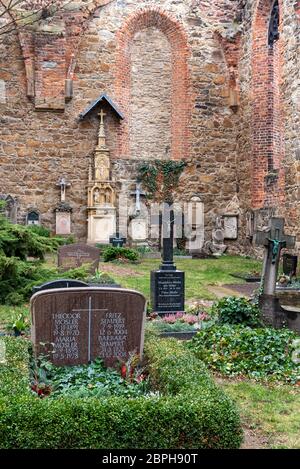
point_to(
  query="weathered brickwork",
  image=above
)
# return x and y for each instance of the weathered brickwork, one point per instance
(269, 110)
(195, 80)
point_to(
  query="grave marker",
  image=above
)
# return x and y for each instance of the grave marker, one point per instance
(75, 255)
(167, 283)
(79, 325)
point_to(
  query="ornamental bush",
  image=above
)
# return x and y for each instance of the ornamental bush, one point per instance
(256, 353)
(233, 310)
(112, 254)
(17, 276)
(187, 410)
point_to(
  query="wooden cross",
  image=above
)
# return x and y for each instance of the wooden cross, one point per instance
(273, 240)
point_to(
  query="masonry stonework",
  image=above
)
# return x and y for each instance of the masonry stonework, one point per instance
(195, 80)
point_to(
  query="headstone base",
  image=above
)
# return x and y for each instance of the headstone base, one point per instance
(167, 291)
(274, 315)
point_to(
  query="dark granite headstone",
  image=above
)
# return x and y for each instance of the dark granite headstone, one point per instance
(60, 283)
(75, 255)
(290, 264)
(81, 324)
(167, 283)
(167, 291)
(117, 241)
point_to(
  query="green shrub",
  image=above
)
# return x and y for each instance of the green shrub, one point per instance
(17, 278)
(112, 253)
(256, 353)
(232, 310)
(187, 411)
(18, 241)
(40, 230)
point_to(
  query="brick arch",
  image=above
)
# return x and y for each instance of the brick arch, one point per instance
(267, 112)
(181, 99)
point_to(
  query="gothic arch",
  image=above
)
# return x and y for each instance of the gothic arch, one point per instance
(267, 112)
(181, 99)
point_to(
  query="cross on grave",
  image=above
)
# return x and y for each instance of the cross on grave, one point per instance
(63, 185)
(117, 241)
(273, 240)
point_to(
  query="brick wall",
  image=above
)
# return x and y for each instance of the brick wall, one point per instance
(207, 108)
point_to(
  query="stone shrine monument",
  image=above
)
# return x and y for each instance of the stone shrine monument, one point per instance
(167, 283)
(101, 193)
(71, 256)
(78, 325)
(274, 240)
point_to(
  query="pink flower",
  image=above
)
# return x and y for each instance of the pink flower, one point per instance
(170, 318)
(190, 318)
(204, 317)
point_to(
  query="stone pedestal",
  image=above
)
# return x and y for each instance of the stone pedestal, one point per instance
(101, 225)
(275, 315)
(167, 291)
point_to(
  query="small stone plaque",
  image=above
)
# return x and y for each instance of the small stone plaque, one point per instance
(63, 223)
(230, 227)
(78, 325)
(75, 255)
(167, 291)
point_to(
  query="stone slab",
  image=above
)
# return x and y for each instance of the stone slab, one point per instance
(79, 325)
(167, 291)
(75, 255)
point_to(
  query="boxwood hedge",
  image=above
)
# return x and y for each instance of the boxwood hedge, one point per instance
(187, 410)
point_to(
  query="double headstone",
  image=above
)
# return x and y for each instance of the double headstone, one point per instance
(77, 325)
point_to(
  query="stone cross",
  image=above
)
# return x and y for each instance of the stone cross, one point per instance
(63, 185)
(273, 240)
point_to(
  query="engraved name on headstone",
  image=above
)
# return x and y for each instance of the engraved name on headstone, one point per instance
(76, 325)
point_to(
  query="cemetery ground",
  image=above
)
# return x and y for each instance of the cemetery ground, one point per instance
(269, 410)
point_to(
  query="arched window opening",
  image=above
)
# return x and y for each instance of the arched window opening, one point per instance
(274, 24)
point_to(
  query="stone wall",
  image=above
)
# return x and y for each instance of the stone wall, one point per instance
(151, 89)
(182, 75)
(269, 131)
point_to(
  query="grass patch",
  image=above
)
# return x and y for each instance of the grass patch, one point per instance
(200, 273)
(269, 410)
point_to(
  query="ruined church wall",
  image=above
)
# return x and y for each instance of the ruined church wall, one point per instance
(37, 148)
(288, 80)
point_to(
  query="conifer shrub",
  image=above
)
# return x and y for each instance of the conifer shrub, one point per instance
(17, 274)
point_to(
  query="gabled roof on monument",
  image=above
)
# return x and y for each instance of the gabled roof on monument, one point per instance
(102, 98)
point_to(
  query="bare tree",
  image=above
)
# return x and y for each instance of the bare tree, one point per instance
(15, 14)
